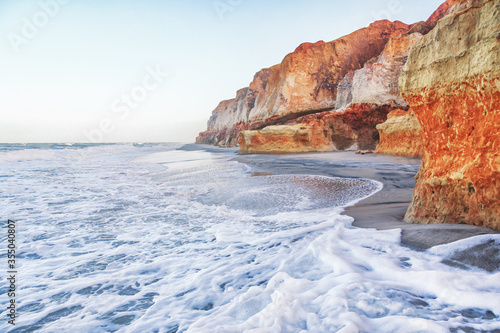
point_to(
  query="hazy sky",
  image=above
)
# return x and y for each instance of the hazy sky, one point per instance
(95, 70)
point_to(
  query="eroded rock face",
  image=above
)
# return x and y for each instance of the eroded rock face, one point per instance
(308, 78)
(281, 139)
(354, 128)
(377, 81)
(305, 82)
(452, 82)
(400, 135)
(373, 88)
(227, 120)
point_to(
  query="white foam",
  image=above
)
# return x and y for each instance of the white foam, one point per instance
(463, 244)
(111, 244)
(28, 154)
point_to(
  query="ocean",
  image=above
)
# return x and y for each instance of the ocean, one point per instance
(154, 238)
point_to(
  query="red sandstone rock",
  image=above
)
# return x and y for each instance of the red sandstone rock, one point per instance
(307, 79)
(452, 82)
(359, 93)
(449, 6)
(377, 81)
(306, 46)
(446, 8)
(282, 139)
(354, 128)
(224, 137)
(400, 135)
(305, 82)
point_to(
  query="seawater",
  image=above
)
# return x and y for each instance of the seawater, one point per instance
(150, 238)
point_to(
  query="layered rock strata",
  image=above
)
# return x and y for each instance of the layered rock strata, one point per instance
(321, 76)
(377, 81)
(452, 83)
(305, 82)
(353, 128)
(331, 96)
(400, 135)
(284, 139)
(364, 97)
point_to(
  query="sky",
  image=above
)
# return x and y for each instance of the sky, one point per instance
(153, 70)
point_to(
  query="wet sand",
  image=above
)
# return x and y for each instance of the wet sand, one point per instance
(385, 209)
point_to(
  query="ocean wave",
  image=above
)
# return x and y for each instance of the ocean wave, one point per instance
(139, 239)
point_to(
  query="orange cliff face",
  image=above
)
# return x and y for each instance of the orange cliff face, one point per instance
(444, 9)
(452, 83)
(364, 98)
(279, 139)
(351, 128)
(331, 96)
(377, 81)
(306, 46)
(305, 82)
(400, 135)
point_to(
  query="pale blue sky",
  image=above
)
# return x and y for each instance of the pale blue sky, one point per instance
(66, 64)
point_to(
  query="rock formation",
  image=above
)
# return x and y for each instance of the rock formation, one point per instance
(352, 128)
(321, 76)
(452, 82)
(377, 81)
(446, 106)
(305, 82)
(284, 139)
(308, 78)
(364, 98)
(401, 135)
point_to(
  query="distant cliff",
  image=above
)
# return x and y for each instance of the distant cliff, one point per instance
(305, 82)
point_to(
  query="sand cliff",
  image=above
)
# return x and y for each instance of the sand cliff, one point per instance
(430, 89)
(364, 97)
(401, 135)
(452, 81)
(305, 82)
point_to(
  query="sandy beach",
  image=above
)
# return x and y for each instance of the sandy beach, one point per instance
(386, 208)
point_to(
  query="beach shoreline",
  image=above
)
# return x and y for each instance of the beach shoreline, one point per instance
(382, 210)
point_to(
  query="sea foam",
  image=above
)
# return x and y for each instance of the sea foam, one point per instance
(153, 239)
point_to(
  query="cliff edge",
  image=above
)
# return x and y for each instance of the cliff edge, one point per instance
(451, 81)
(430, 90)
(305, 82)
